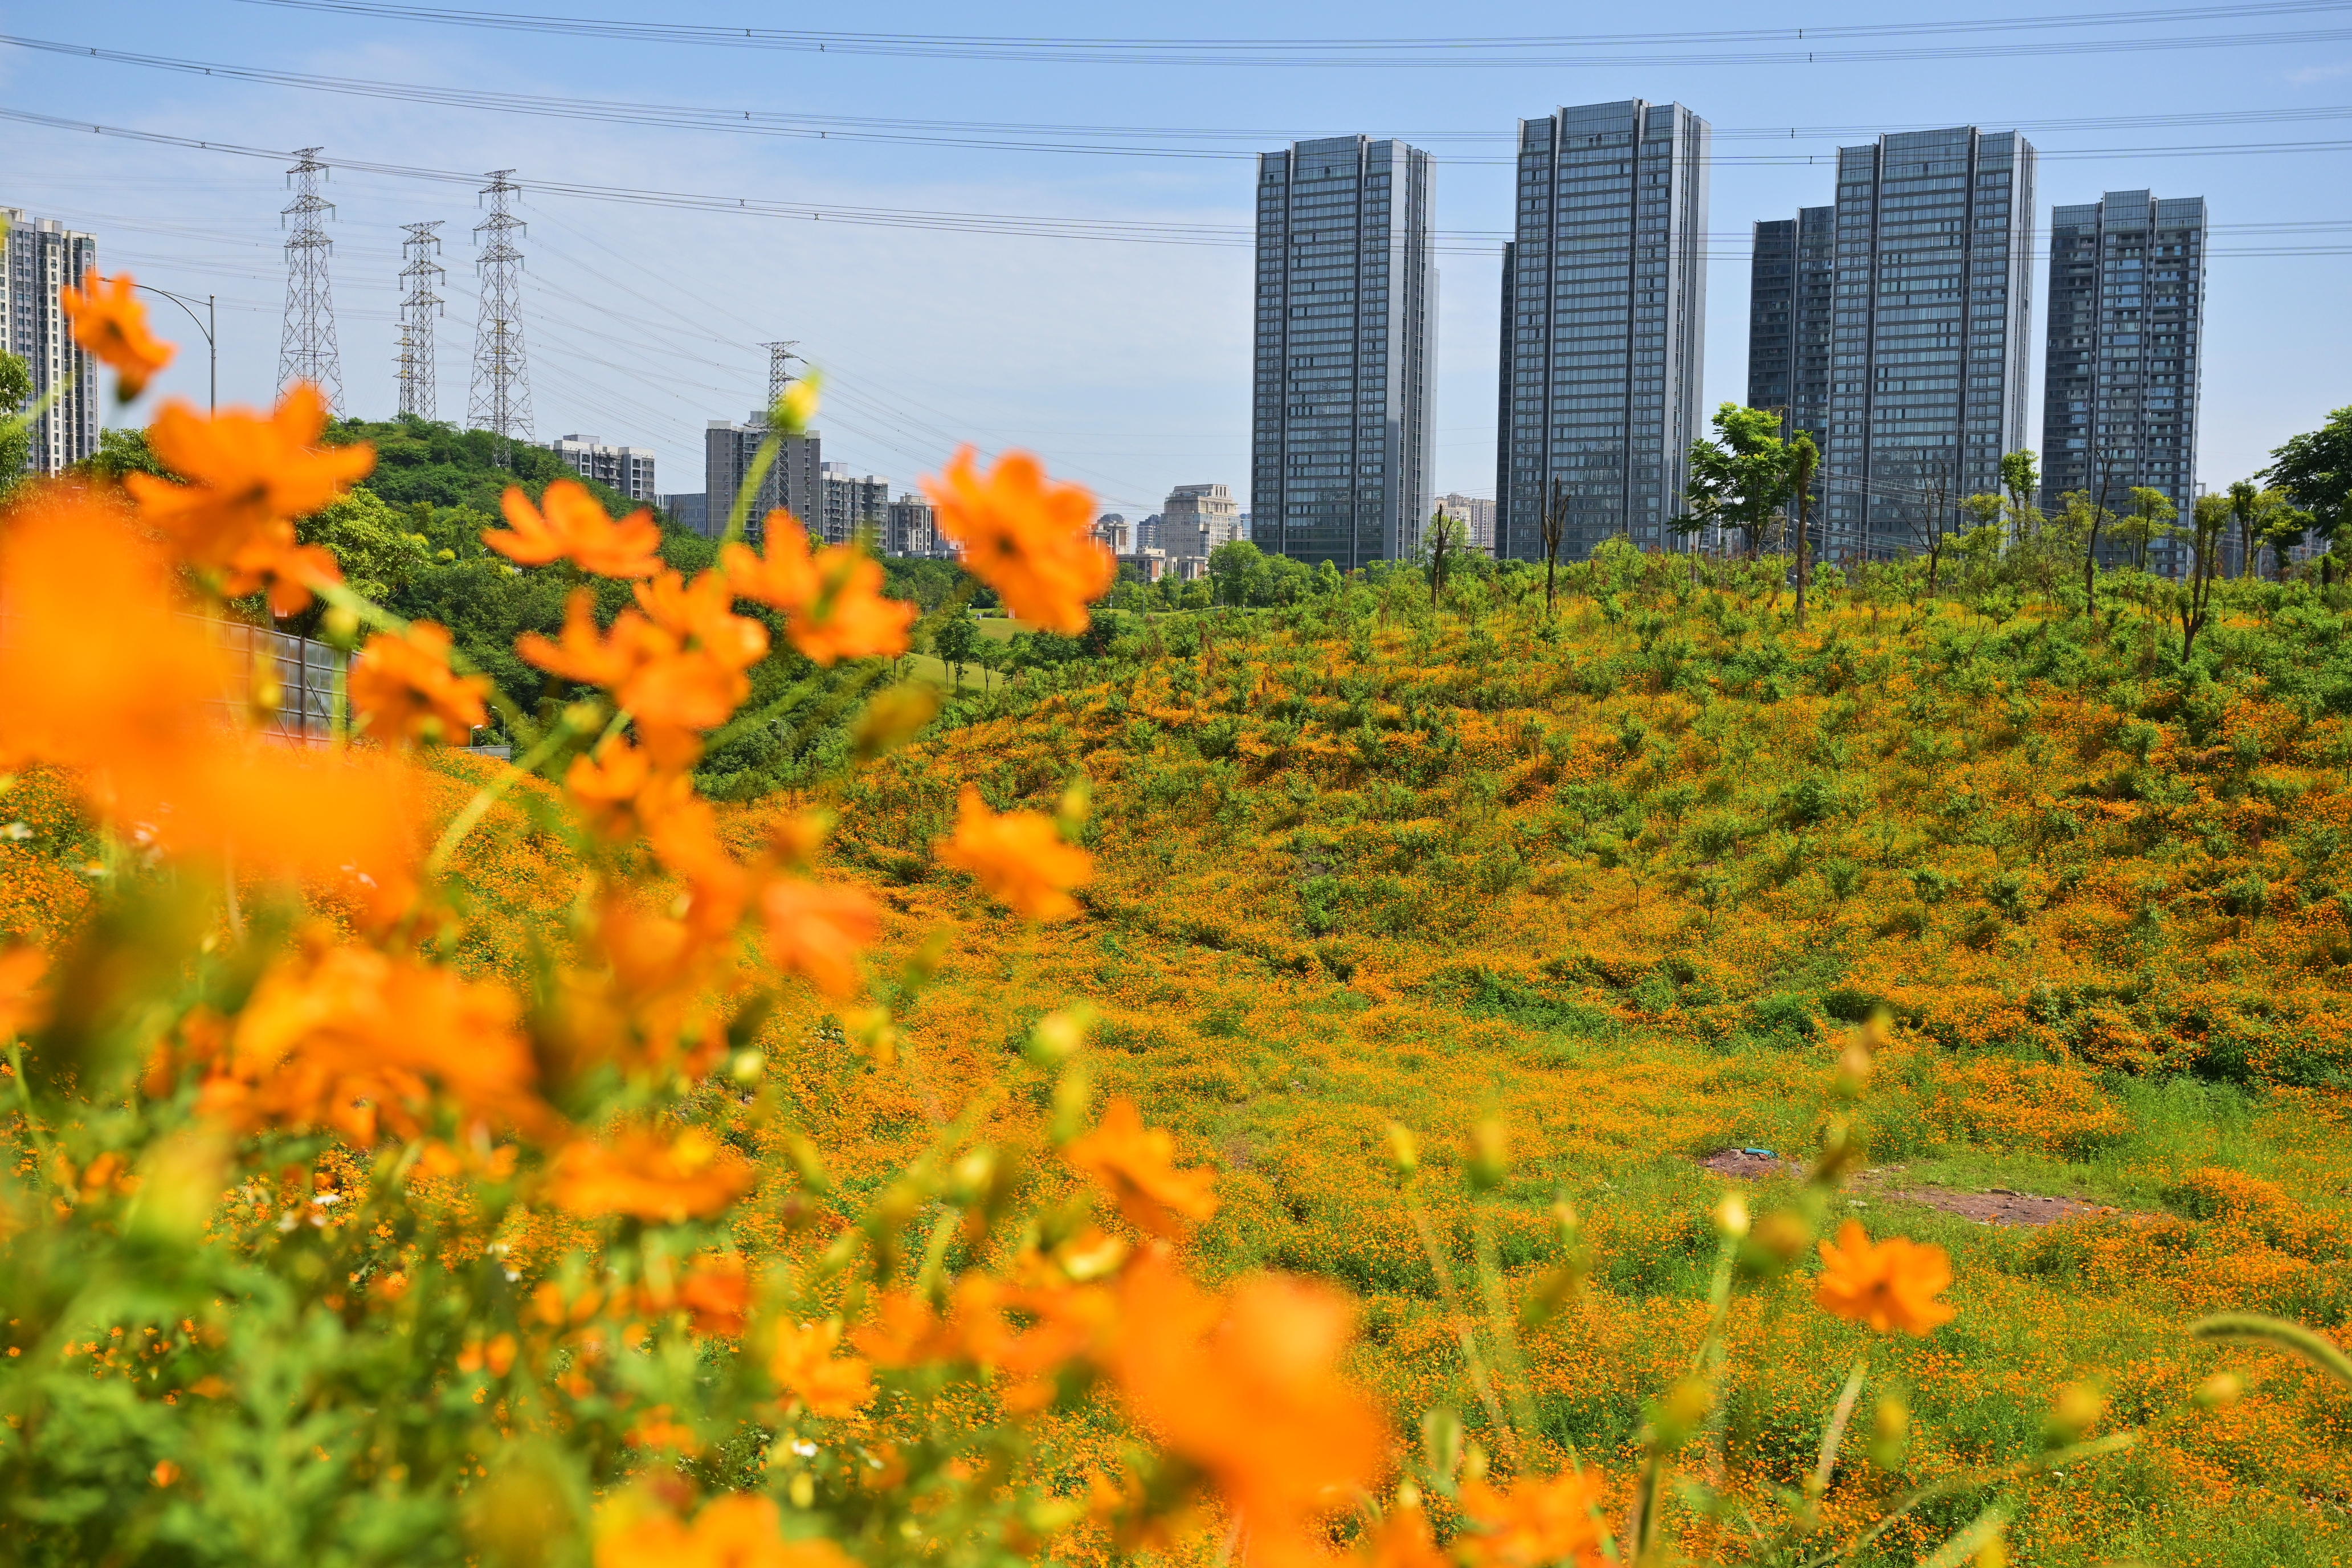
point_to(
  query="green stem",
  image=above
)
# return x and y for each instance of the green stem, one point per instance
(761, 461)
(1465, 1334)
(488, 795)
(32, 1118)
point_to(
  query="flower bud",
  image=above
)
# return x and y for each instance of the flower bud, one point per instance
(2221, 1388)
(1077, 799)
(747, 1067)
(1776, 1243)
(1490, 1155)
(1731, 1215)
(583, 718)
(2075, 1412)
(340, 627)
(1058, 1036)
(797, 407)
(1403, 1148)
(1890, 1427)
(1441, 1444)
(1674, 1419)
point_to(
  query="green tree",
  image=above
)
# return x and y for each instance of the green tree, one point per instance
(956, 643)
(1801, 457)
(371, 541)
(2315, 469)
(2151, 509)
(1240, 574)
(1555, 530)
(1740, 481)
(2208, 521)
(1441, 545)
(15, 439)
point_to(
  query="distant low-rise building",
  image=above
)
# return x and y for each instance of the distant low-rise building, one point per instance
(1114, 533)
(628, 469)
(38, 256)
(1476, 516)
(853, 502)
(1145, 562)
(691, 510)
(913, 528)
(795, 481)
(1198, 518)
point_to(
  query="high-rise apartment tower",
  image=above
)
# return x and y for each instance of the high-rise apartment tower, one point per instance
(1604, 324)
(1347, 348)
(2126, 325)
(38, 256)
(1791, 283)
(1927, 343)
(628, 469)
(795, 482)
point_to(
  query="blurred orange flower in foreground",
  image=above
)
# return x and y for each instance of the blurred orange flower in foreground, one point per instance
(1018, 857)
(350, 1038)
(569, 521)
(112, 325)
(105, 673)
(404, 688)
(831, 598)
(816, 930)
(1535, 1524)
(733, 1531)
(1891, 1284)
(1133, 1162)
(637, 1171)
(248, 478)
(1030, 540)
(1250, 1391)
(23, 1002)
(803, 1362)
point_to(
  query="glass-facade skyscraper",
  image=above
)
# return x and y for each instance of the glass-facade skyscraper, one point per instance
(2126, 325)
(1604, 325)
(1929, 337)
(1790, 289)
(1346, 350)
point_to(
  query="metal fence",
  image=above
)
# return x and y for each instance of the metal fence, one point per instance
(303, 672)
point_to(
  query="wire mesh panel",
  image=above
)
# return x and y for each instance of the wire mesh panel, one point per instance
(282, 684)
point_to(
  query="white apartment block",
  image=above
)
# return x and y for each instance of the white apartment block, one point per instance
(853, 502)
(628, 469)
(37, 257)
(913, 528)
(1196, 519)
(1476, 516)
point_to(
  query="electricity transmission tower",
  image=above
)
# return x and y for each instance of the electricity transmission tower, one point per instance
(500, 401)
(779, 368)
(419, 306)
(306, 350)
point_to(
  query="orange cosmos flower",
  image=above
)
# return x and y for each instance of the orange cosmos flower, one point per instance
(350, 1038)
(833, 599)
(1535, 1524)
(638, 1172)
(23, 1003)
(574, 523)
(1891, 1284)
(718, 1291)
(816, 930)
(1250, 1391)
(114, 327)
(1031, 541)
(1018, 857)
(581, 652)
(803, 1365)
(249, 477)
(1404, 1541)
(737, 1531)
(1133, 1162)
(402, 688)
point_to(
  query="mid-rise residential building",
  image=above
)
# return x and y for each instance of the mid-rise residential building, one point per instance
(689, 510)
(1146, 533)
(1476, 516)
(793, 483)
(1604, 325)
(853, 502)
(911, 527)
(1934, 297)
(628, 469)
(39, 256)
(2125, 340)
(1197, 519)
(1346, 350)
(1791, 282)
(1113, 533)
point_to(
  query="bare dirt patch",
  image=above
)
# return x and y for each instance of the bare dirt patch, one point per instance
(1993, 1205)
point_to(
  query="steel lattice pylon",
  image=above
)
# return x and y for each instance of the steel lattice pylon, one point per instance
(419, 307)
(779, 368)
(500, 402)
(306, 350)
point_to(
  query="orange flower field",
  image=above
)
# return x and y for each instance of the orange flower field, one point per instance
(1398, 1080)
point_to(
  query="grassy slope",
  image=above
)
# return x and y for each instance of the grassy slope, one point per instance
(1571, 882)
(1608, 887)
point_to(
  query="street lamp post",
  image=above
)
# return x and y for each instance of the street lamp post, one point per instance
(208, 327)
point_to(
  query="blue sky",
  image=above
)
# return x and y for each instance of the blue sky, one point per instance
(1125, 364)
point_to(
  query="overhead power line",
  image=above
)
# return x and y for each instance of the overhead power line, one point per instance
(1133, 141)
(1782, 46)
